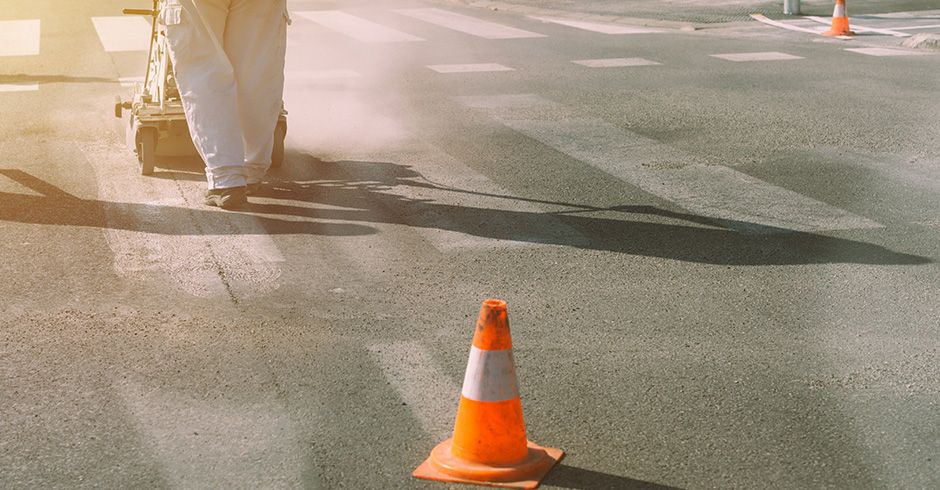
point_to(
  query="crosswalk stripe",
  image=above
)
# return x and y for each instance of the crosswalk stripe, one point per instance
(466, 24)
(599, 27)
(858, 28)
(19, 87)
(469, 68)
(615, 62)
(191, 436)
(19, 37)
(430, 394)
(744, 202)
(130, 81)
(763, 56)
(884, 51)
(123, 33)
(914, 28)
(356, 27)
(784, 25)
(453, 207)
(435, 199)
(226, 254)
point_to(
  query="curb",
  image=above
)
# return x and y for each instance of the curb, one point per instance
(567, 14)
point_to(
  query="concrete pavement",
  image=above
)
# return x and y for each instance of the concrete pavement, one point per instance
(719, 251)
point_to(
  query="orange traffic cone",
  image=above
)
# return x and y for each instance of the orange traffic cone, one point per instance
(840, 21)
(489, 446)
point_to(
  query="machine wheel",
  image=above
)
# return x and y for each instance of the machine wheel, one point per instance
(277, 154)
(146, 150)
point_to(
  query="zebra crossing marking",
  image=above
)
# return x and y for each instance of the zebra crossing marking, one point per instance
(763, 56)
(430, 394)
(884, 52)
(228, 255)
(466, 24)
(263, 432)
(19, 87)
(615, 62)
(19, 37)
(914, 28)
(784, 25)
(598, 27)
(356, 27)
(858, 28)
(744, 202)
(122, 33)
(454, 207)
(130, 81)
(470, 68)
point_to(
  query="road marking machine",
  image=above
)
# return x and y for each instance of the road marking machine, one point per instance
(156, 126)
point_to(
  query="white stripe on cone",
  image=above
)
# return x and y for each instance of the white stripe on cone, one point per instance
(839, 11)
(490, 376)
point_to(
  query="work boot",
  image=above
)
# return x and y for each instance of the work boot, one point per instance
(226, 198)
(253, 189)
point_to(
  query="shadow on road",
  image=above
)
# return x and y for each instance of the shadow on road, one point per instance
(57, 207)
(370, 192)
(356, 190)
(579, 478)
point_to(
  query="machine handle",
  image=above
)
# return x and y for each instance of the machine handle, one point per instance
(138, 12)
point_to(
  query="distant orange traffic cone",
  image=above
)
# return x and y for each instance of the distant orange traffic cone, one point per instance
(489, 446)
(840, 21)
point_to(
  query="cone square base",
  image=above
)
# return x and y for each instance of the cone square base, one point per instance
(541, 460)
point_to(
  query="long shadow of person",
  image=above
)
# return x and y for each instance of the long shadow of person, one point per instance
(370, 192)
(53, 206)
(376, 193)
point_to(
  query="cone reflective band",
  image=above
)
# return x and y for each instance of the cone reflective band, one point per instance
(490, 376)
(840, 21)
(489, 445)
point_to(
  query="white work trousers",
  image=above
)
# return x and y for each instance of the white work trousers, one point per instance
(229, 61)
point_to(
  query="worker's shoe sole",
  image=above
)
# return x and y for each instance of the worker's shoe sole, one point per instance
(229, 198)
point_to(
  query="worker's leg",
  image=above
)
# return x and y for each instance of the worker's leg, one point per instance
(256, 41)
(195, 29)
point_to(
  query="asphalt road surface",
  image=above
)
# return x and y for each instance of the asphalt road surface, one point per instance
(719, 249)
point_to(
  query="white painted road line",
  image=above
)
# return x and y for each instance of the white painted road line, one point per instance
(747, 203)
(615, 62)
(161, 229)
(884, 52)
(211, 442)
(19, 87)
(765, 56)
(453, 207)
(430, 394)
(356, 27)
(130, 81)
(466, 24)
(123, 33)
(19, 37)
(784, 25)
(859, 28)
(469, 68)
(914, 28)
(599, 27)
